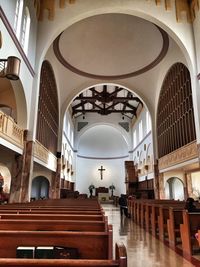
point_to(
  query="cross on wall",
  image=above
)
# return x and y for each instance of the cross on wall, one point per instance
(101, 172)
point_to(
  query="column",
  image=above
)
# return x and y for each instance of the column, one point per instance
(156, 180)
(21, 173)
(56, 181)
(186, 179)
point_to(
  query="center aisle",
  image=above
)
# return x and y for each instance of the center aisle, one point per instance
(142, 248)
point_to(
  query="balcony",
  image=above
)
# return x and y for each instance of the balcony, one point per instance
(44, 155)
(181, 155)
(10, 131)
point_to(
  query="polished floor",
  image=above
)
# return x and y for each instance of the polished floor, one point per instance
(143, 249)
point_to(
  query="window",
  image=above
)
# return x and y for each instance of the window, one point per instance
(26, 30)
(140, 131)
(68, 130)
(148, 122)
(72, 138)
(134, 139)
(18, 17)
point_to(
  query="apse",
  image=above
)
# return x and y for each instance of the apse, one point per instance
(105, 146)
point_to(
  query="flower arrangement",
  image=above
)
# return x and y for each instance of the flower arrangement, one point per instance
(112, 188)
(91, 187)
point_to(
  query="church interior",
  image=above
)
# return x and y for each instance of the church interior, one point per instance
(99, 99)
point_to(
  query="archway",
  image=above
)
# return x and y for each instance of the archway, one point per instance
(174, 189)
(40, 188)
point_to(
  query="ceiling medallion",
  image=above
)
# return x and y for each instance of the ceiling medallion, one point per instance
(142, 70)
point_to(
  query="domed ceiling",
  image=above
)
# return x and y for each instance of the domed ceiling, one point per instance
(111, 46)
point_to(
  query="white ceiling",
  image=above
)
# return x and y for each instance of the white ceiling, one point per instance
(111, 44)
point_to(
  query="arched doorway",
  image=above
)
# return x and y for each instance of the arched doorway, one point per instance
(40, 188)
(174, 189)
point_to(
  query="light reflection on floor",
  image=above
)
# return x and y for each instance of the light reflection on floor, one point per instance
(143, 249)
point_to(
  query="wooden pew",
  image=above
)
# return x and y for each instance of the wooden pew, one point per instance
(44, 211)
(91, 245)
(190, 226)
(173, 225)
(52, 217)
(164, 216)
(120, 261)
(90, 203)
(53, 225)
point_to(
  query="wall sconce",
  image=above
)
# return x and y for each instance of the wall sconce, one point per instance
(10, 68)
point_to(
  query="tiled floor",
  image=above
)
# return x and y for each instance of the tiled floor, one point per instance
(142, 248)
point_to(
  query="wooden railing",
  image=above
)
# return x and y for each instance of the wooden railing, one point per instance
(43, 154)
(10, 131)
(180, 155)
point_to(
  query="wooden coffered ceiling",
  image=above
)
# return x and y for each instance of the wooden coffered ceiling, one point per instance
(104, 100)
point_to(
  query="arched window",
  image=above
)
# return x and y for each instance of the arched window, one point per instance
(140, 131)
(148, 122)
(26, 30)
(18, 17)
(134, 139)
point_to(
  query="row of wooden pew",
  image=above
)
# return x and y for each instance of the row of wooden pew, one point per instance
(168, 221)
(72, 224)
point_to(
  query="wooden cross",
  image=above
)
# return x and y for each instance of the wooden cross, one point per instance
(101, 172)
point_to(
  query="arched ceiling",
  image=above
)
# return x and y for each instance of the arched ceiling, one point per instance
(112, 48)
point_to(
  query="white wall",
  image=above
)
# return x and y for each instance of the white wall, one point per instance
(101, 145)
(143, 148)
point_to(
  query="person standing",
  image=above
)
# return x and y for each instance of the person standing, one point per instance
(123, 205)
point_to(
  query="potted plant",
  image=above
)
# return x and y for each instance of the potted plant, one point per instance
(112, 188)
(91, 188)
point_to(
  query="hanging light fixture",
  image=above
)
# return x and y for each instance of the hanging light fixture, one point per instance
(10, 67)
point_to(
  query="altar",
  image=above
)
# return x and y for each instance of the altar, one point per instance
(103, 197)
(101, 190)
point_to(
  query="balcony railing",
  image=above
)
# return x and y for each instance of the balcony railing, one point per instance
(183, 154)
(43, 154)
(10, 131)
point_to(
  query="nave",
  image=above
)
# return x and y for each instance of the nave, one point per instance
(143, 250)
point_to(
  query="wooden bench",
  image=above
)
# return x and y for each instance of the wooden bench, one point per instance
(52, 217)
(91, 245)
(44, 211)
(120, 261)
(92, 203)
(169, 222)
(53, 225)
(190, 226)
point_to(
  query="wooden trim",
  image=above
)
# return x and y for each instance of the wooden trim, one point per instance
(16, 41)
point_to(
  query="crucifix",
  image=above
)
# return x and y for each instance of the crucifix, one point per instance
(101, 172)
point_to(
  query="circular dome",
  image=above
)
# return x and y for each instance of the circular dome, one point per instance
(111, 46)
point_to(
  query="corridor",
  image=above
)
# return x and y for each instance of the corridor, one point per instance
(142, 248)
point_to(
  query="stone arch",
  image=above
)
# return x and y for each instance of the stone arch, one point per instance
(40, 188)
(5, 173)
(174, 188)
(12, 96)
